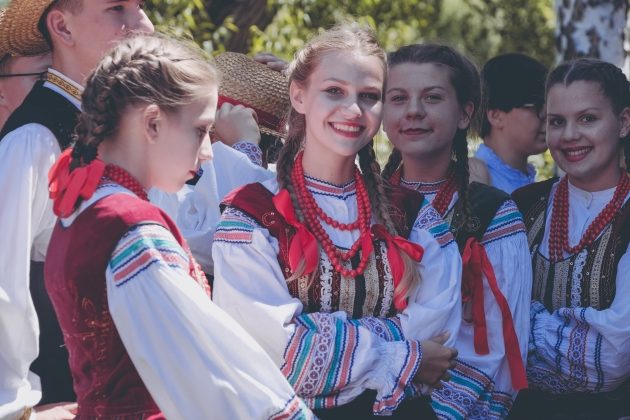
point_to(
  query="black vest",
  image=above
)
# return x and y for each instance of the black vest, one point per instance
(484, 203)
(50, 109)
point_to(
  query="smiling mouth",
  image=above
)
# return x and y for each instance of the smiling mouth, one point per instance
(576, 154)
(415, 131)
(347, 130)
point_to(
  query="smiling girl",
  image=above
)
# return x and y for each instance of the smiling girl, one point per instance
(329, 271)
(578, 230)
(432, 94)
(144, 338)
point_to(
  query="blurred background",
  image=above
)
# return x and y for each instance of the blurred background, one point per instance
(551, 31)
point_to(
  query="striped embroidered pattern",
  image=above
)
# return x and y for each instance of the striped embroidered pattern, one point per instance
(429, 219)
(143, 246)
(251, 150)
(319, 358)
(319, 187)
(507, 221)
(388, 329)
(468, 393)
(294, 409)
(403, 385)
(500, 405)
(235, 227)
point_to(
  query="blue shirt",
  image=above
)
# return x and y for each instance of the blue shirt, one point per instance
(502, 175)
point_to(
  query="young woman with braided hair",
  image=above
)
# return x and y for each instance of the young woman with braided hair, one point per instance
(578, 230)
(145, 340)
(432, 94)
(327, 269)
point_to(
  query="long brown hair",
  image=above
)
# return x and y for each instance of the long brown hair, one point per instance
(357, 39)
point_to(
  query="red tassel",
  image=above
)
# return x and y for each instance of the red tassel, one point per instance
(475, 262)
(396, 244)
(303, 245)
(66, 187)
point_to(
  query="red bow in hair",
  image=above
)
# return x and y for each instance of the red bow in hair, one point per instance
(303, 245)
(66, 188)
(396, 244)
(475, 263)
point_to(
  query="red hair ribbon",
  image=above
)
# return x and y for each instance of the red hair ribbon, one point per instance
(475, 263)
(303, 245)
(66, 187)
(396, 244)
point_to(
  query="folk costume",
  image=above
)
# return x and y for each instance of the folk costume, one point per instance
(135, 308)
(34, 360)
(195, 208)
(496, 289)
(579, 353)
(338, 333)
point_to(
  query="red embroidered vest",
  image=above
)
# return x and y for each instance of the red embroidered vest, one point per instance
(105, 380)
(369, 294)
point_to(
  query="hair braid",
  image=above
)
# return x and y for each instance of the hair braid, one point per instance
(462, 174)
(393, 163)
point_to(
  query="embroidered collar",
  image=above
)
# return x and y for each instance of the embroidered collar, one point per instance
(64, 84)
(423, 187)
(317, 186)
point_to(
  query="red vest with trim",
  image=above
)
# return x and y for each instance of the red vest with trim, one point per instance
(105, 380)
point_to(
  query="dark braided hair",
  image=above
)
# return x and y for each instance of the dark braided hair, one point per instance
(613, 83)
(465, 79)
(345, 37)
(143, 69)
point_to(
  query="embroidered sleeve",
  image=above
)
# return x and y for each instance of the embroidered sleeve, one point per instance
(328, 359)
(507, 222)
(435, 303)
(481, 387)
(162, 314)
(581, 349)
(253, 152)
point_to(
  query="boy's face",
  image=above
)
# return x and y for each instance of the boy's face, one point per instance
(98, 24)
(14, 89)
(524, 129)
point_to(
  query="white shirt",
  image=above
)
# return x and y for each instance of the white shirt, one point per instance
(26, 223)
(581, 349)
(249, 285)
(195, 209)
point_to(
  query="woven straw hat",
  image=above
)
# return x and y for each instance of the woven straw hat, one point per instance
(4, 48)
(254, 85)
(23, 37)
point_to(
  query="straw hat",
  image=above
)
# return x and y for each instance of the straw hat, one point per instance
(254, 85)
(22, 34)
(4, 48)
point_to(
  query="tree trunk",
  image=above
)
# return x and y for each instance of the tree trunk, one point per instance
(592, 28)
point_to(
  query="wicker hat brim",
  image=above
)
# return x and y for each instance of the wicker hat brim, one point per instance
(23, 37)
(255, 85)
(4, 47)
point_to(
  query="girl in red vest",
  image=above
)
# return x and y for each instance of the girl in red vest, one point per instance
(578, 230)
(327, 268)
(432, 94)
(144, 338)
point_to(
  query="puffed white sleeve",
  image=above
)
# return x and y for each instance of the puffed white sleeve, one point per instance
(582, 349)
(328, 359)
(26, 223)
(481, 385)
(195, 209)
(194, 359)
(435, 306)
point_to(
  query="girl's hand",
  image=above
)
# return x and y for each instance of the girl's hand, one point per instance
(436, 360)
(271, 61)
(56, 411)
(236, 123)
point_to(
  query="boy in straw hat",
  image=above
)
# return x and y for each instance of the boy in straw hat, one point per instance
(17, 74)
(78, 32)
